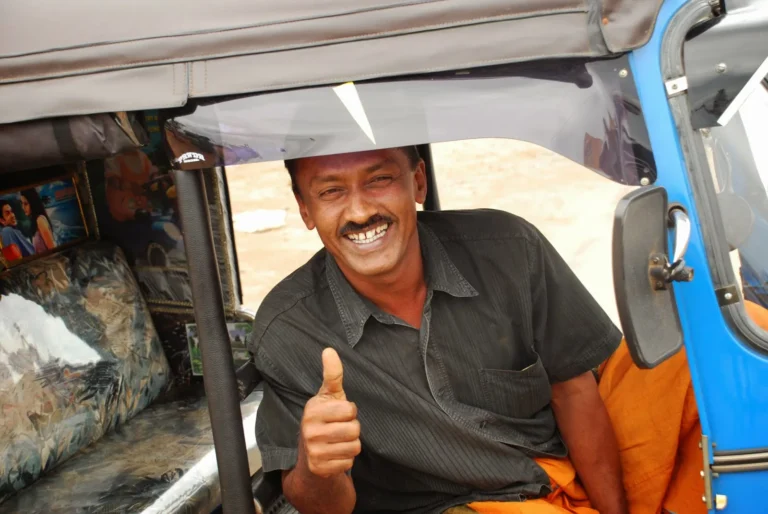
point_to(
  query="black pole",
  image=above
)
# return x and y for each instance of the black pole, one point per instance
(432, 202)
(218, 366)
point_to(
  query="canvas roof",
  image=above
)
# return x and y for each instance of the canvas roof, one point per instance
(63, 58)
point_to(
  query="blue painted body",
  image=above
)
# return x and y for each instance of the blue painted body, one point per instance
(730, 379)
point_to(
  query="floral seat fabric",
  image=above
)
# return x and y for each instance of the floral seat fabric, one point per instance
(160, 462)
(79, 356)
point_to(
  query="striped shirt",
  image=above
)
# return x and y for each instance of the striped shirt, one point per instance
(452, 412)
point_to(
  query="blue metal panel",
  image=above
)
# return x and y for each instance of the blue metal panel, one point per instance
(730, 379)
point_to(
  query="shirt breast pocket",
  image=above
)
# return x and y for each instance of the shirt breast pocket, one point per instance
(516, 394)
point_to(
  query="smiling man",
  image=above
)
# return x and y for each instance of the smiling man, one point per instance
(427, 360)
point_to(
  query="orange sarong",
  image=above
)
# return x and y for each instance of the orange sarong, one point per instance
(654, 416)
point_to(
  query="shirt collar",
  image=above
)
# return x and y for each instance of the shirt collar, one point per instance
(440, 272)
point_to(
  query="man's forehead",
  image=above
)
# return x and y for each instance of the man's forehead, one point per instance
(353, 161)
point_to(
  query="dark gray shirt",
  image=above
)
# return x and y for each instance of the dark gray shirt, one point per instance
(455, 411)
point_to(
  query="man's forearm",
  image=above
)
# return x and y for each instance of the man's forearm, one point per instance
(588, 433)
(311, 494)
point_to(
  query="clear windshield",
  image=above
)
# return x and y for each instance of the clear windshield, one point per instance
(587, 111)
(739, 157)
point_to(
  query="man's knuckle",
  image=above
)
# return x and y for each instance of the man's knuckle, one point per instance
(350, 410)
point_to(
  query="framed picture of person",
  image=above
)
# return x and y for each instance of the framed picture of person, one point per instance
(239, 333)
(39, 219)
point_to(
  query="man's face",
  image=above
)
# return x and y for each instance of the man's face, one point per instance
(363, 206)
(9, 218)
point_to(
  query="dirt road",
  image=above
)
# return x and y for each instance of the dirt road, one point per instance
(571, 205)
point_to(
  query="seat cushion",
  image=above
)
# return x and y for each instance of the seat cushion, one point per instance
(78, 356)
(162, 461)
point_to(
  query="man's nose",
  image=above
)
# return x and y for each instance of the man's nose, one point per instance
(359, 209)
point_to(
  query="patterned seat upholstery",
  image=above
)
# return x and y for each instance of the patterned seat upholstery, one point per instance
(162, 461)
(80, 363)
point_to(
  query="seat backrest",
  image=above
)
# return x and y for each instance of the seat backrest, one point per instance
(78, 356)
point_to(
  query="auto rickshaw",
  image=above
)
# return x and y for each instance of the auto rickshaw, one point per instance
(120, 386)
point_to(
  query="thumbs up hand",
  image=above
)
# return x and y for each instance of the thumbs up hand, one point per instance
(330, 431)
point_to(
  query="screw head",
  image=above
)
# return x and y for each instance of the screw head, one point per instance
(623, 73)
(722, 67)
(655, 260)
(705, 132)
(659, 285)
(645, 181)
(674, 87)
(728, 296)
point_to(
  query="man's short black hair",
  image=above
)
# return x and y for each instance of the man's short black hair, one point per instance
(292, 165)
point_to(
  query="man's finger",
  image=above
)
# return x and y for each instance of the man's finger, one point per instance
(333, 375)
(328, 410)
(331, 467)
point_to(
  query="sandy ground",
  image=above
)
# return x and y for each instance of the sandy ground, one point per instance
(571, 205)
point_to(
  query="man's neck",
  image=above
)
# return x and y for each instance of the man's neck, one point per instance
(402, 291)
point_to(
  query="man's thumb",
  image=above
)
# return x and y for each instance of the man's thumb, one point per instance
(333, 374)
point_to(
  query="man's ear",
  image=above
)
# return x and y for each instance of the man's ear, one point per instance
(304, 212)
(420, 183)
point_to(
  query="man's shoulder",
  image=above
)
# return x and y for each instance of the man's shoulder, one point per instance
(478, 224)
(305, 282)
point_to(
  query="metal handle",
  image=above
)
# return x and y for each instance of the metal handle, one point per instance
(682, 225)
(663, 270)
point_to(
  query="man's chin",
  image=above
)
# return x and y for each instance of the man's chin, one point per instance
(370, 267)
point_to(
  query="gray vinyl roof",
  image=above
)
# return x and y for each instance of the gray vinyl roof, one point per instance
(86, 56)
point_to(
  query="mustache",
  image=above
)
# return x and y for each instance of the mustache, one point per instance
(351, 226)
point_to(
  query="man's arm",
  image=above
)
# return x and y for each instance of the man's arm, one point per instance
(586, 429)
(329, 441)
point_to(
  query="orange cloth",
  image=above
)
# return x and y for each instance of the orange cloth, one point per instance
(758, 313)
(567, 494)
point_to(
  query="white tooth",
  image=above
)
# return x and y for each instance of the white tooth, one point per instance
(369, 234)
(379, 229)
(353, 237)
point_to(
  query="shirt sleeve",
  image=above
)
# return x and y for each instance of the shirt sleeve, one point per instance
(572, 333)
(278, 420)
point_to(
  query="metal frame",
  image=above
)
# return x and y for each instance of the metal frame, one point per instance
(432, 202)
(731, 412)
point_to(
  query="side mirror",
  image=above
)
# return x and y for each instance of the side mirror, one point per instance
(643, 272)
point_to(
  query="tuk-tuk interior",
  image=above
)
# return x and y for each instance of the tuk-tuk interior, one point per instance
(107, 325)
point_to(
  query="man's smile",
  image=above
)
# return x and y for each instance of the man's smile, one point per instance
(369, 235)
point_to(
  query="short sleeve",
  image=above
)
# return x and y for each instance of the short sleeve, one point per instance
(277, 422)
(572, 333)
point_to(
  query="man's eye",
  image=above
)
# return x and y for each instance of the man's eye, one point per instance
(381, 180)
(330, 193)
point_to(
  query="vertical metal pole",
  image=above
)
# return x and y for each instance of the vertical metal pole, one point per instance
(432, 203)
(218, 366)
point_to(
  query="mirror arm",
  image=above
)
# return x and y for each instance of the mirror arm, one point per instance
(663, 271)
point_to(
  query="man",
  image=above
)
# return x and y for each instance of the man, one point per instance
(428, 360)
(9, 234)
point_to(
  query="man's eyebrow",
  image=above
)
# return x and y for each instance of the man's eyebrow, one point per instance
(379, 165)
(334, 177)
(325, 179)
